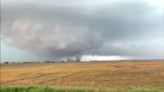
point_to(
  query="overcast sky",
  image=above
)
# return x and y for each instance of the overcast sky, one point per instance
(87, 29)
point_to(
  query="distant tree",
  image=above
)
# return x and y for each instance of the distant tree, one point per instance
(78, 59)
(6, 62)
(28, 62)
(48, 61)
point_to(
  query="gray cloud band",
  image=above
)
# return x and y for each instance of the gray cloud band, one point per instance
(70, 30)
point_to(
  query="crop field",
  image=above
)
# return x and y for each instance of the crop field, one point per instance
(142, 75)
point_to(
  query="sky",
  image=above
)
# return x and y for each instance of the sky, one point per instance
(82, 29)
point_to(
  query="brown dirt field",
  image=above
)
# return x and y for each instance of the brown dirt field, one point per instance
(100, 75)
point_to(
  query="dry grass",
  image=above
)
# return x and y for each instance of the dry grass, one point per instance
(99, 75)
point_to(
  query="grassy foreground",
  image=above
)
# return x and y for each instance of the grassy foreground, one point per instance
(51, 89)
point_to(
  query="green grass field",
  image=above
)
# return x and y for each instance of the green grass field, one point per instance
(52, 89)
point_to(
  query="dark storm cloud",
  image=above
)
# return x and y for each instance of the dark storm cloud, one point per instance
(65, 29)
